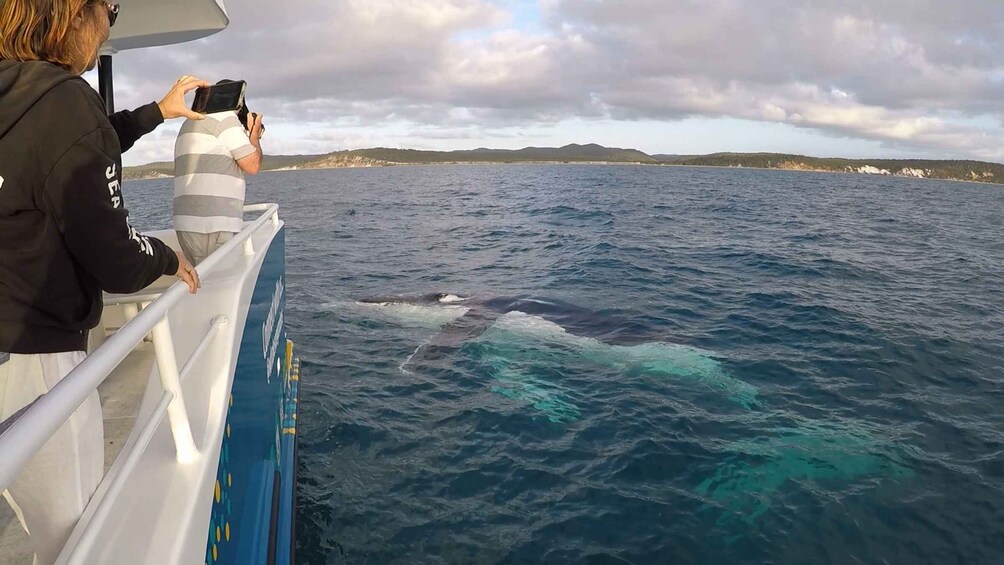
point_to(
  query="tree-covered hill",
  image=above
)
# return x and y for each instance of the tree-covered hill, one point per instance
(592, 153)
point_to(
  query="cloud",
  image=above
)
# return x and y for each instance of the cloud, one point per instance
(915, 75)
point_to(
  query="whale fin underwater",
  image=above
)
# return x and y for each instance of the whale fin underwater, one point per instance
(512, 334)
(681, 362)
(809, 454)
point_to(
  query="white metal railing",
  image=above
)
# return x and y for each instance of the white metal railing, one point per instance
(123, 470)
(32, 429)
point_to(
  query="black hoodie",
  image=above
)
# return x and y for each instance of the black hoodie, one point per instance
(64, 233)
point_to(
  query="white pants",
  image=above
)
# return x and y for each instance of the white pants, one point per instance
(54, 487)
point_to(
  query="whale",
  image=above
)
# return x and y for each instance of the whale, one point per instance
(509, 336)
(511, 333)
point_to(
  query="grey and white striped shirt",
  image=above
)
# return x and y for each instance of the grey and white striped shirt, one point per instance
(208, 184)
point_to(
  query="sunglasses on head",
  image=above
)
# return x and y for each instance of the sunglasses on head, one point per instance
(113, 11)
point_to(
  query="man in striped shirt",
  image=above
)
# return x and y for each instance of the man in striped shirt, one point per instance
(211, 157)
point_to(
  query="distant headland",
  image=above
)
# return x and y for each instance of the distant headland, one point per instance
(978, 171)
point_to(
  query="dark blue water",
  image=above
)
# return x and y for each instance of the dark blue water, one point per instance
(711, 366)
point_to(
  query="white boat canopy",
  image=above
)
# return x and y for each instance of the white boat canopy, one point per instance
(148, 23)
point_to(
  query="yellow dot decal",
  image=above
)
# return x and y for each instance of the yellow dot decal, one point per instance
(214, 552)
(230, 480)
(218, 536)
(228, 430)
(227, 530)
(217, 491)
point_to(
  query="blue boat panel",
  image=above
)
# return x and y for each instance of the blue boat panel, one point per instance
(287, 501)
(248, 515)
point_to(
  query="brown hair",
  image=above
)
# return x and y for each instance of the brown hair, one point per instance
(41, 30)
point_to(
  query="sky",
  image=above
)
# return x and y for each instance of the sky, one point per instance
(828, 78)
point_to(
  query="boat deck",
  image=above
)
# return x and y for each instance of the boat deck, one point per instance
(121, 395)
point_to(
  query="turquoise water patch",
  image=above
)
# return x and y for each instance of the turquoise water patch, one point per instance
(526, 336)
(812, 453)
(514, 379)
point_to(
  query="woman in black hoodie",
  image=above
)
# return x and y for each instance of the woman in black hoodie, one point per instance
(64, 237)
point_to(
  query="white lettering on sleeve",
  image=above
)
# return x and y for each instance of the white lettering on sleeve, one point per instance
(113, 191)
(141, 240)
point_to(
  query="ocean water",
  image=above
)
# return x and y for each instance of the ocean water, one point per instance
(659, 364)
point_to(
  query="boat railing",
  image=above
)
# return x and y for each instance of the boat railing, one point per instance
(25, 433)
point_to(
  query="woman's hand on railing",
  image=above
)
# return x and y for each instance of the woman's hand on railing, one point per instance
(187, 273)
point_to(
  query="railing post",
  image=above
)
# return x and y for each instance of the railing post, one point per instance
(248, 247)
(167, 364)
(275, 219)
(130, 311)
(149, 336)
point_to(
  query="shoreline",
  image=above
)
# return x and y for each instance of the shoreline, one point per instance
(162, 176)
